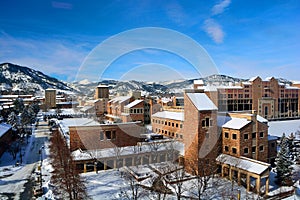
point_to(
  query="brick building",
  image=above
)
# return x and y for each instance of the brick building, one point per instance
(134, 111)
(271, 98)
(105, 136)
(50, 98)
(244, 134)
(6, 137)
(168, 123)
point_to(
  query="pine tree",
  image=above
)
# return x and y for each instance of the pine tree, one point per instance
(283, 163)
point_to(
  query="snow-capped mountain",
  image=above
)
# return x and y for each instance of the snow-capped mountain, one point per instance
(151, 88)
(28, 80)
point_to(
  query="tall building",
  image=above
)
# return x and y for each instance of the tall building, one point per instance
(50, 98)
(102, 91)
(271, 98)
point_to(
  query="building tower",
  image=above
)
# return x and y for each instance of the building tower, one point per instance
(102, 92)
(101, 99)
(50, 98)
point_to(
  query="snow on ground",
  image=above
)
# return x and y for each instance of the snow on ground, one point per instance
(277, 128)
(109, 185)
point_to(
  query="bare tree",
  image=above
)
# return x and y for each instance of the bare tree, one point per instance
(65, 176)
(135, 191)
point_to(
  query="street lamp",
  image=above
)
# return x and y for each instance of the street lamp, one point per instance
(41, 153)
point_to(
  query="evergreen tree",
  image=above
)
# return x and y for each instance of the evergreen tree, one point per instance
(18, 105)
(283, 163)
(13, 121)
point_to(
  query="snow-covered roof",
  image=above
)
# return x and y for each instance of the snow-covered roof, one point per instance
(128, 150)
(198, 82)
(4, 128)
(244, 163)
(170, 115)
(253, 78)
(261, 119)
(246, 83)
(166, 100)
(296, 82)
(272, 137)
(119, 99)
(236, 123)
(86, 108)
(291, 87)
(66, 123)
(277, 128)
(134, 103)
(102, 86)
(201, 101)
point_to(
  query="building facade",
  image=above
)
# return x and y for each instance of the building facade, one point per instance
(271, 98)
(50, 98)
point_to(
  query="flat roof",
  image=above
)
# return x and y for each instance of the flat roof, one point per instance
(170, 115)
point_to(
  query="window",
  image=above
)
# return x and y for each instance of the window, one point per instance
(113, 135)
(246, 136)
(246, 95)
(240, 96)
(226, 148)
(261, 134)
(169, 123)
(229, 96)
(234, 137)
(253, 135)
(206, 122)
(165, 122)
(273, 144)
(261, 148)
(181, 137)
(226, 134)
(101, 136)
(234, 150)
(172, 124)
(246, 151)
(176, 125)
(176, 135)
(180, 125)
(254, 149)
(173, 134)
(108, 135)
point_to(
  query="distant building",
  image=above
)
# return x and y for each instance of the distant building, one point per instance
(6, 137)
(102, 92)
(269, 97)
(50, 98)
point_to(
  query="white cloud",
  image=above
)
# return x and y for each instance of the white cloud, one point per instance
(49, 56)
(214, 30)
(219, 8)
(176, 13)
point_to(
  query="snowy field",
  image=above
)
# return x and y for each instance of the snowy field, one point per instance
(277, 128)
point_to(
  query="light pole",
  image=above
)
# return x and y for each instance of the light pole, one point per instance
(41, 153)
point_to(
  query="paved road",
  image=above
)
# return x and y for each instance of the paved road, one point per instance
(14, 185)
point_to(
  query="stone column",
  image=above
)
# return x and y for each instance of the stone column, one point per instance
(267, 185)
(84, 168)
(239, 177)
(248, 182)
(258, 185)
(104, 165)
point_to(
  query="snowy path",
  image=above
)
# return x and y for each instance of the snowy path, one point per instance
(14, 184)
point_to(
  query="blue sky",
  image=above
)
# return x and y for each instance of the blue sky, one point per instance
(243, 38)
